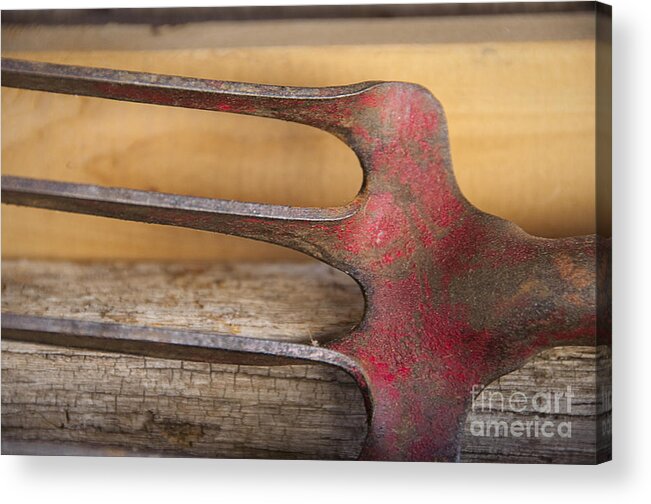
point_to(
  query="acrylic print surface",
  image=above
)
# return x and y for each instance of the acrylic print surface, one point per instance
(374, 233)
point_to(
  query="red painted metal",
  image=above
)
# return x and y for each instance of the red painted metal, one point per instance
(454, 297)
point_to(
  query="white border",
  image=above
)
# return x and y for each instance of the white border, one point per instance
(627, 478)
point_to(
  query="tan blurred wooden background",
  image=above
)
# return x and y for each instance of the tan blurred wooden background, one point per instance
(519, 93)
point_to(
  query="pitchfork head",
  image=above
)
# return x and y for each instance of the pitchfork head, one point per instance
(454, 297)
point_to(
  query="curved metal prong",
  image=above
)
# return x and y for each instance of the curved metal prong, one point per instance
(169, 343)
(312, 106)
(298, 228)
(380, 121)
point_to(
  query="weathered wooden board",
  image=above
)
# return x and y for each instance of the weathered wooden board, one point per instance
(566, 388)
(519, 93)
(296, 302)
(58, 400)
(164, 406)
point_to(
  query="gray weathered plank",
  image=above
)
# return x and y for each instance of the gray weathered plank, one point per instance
(60, 400)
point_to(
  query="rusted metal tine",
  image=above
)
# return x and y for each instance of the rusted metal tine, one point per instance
(275, 224)
(168, 343)
(279, 102)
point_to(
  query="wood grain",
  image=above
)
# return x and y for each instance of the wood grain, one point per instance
(156, 36)
(135, 404)
(521, 121)
(300, 303)
(60, 400)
